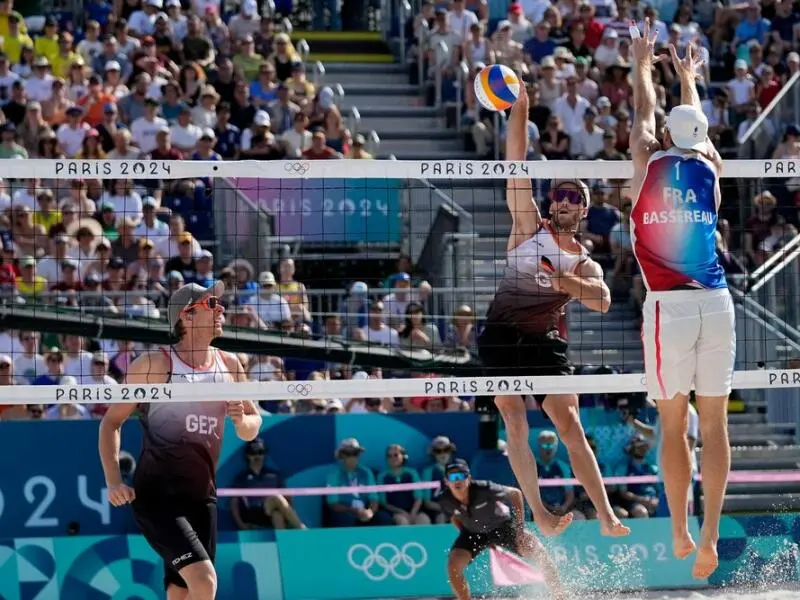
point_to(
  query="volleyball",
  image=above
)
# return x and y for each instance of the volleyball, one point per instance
(497, 87)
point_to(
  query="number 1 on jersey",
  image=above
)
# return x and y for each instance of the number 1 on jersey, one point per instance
(677, 171)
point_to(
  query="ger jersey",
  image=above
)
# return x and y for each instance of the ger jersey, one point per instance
(182, 440)
(525, 297)
(674, 223)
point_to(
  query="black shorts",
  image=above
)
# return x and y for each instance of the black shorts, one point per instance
(181, 532)
(504, 536)
(505, 351)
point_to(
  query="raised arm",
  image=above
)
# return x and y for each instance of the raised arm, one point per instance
(643, 133)
(519, 192)
(687, 72)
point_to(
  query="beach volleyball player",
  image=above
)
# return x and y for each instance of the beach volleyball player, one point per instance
(174, 489)
(546, 268)
(688, 317)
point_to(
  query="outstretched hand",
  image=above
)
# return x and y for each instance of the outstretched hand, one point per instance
(687, 67)
(643, 45)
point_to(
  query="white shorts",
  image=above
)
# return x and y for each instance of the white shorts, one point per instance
(689, 339)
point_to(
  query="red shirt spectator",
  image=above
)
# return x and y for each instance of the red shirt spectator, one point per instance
(594, 28)
(319, 149)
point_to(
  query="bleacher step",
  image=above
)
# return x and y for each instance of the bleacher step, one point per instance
(755, 502)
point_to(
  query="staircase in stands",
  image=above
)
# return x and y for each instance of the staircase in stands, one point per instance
(377, 85)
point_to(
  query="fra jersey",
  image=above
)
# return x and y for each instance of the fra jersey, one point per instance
(674, 223)
(688, 329)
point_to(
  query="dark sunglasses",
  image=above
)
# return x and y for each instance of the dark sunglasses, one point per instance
(349, 453)
(572, 196)
(209, 302)
(5, 366)
(441, 451)
(456, 477)
(547, 446)
(395, 455)
(36, 412)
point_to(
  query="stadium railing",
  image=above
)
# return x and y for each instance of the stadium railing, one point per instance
(765, 132)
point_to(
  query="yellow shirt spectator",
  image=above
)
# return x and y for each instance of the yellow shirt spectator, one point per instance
(4, 29)
(13, 45)
(48, 220)
(62, 63)
(47, 46)
(36, 287)
(249, 65)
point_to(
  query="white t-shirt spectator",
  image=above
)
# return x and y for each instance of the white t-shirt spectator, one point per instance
(126, 206)
(296, 142)
(30, 367)
(39, 88)
(272, 309)
(385, 336)
(7, 80)
(586, 143)
(240, 27)
(89, 50)
(167, 247)
(394, 310)
(185, 137)
(460, 24)
(78, 366)
(142, 23)
(154, 91)
(158, 233)
(10, 344)
(740, 89)
(50, 268)
(71, 138)
(81, 412)
(143, 132)
(571, 116)
(24, 198)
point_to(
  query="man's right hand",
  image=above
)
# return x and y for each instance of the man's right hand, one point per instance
(120, 494)
(643, 47)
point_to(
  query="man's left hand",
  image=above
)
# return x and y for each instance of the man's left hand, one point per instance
(236, 411)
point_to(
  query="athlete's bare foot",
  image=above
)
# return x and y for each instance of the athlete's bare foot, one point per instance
(613, 527)
(706, 562)
(683, 545)
(551, 525)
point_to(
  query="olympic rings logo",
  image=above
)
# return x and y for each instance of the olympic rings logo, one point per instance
(301, 389)
(388, 559)
(300, 168)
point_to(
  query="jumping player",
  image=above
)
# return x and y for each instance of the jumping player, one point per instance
(688, 317)
(546, 268)
(174, 488)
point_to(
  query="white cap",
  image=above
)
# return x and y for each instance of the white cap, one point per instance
(792, 57)
(155, 3)
(113, 65)
(249, 8)
(688, 127)
(740, 64)
(261, 119)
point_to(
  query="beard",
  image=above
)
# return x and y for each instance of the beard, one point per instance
(565, 222)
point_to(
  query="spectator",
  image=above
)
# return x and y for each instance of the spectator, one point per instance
(741, 91)
(600, 220)
(259, 127)
(441, 450)
(273, 511)
(172, 104)
(133, 106)
(146, 128)
(184, 263)
(16, 38)
(15, 109)
(416, 333)
(297, 139)
(71, 134)
(293, 291)
(349, 510)
(759, 226)
(376, 331)
(204, 114)
(302, 89)
(184, 133)
(90, 147)
(752, 27)
(583, 502)
(9, 148)
(39, 86)
(77, 361)
(357, 151)
(68, 280)
(284, 56)
(461, 332)
(98, 374)
(558, 500)
(283, 112)
(54, 360)
(68, 410)
(29, 364)
(33, 127)
(268, 304)
(29, 283)
(396, 302)
(587, 142)
(641, 498)
(404, 508)
(228, 135)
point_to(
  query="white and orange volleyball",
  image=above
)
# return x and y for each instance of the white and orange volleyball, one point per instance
(497, 87)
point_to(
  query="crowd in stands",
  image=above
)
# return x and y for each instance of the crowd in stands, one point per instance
(574, 58)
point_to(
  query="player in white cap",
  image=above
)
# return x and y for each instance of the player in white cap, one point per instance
(688, 319)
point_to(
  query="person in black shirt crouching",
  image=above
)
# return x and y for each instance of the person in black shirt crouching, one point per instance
(487, 515)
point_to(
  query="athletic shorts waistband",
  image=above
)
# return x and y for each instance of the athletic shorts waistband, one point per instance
(688, 295)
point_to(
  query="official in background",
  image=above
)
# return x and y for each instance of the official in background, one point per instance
(487, 515)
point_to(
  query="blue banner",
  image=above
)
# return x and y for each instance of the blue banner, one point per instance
(331, 210)
(384, 562)
(61, 487)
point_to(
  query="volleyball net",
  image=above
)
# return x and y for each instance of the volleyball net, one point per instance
(348, 278)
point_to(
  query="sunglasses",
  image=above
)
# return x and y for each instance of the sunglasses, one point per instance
(349, 453)
(209, 302)
(441, 451)
(35, 412)
(574, 197)
(394, 456)
(456, 477)
(547, 446)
